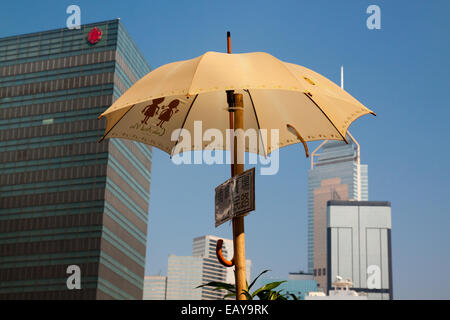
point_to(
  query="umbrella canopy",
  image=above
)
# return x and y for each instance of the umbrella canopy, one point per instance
(300, 103)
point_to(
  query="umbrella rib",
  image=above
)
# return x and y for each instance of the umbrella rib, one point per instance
(289, 70)
(309, 97)
(301, 139)
(102, 138)
(257, 121)
(182, 126)
(195, 72)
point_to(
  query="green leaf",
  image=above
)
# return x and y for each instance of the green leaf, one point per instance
(268, 287)
(262, 295)
(253, 282)
(294, 296)
(247, 295)
(219, 286)
(266, 292)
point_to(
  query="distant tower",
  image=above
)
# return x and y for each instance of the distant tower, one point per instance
(335, 174)
(186, 273)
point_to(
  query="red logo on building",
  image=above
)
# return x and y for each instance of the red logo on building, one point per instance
(94, 35)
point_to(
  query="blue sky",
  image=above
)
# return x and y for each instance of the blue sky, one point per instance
(401, 72)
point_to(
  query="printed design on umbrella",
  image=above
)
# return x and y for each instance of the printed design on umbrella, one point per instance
(152, 109)
(168, 112)
(164, 113)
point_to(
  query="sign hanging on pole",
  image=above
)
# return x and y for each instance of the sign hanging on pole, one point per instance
(235, 197)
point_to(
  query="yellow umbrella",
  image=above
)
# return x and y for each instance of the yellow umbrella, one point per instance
(298, 102)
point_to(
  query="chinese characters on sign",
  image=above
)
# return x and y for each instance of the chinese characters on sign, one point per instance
(235, 197)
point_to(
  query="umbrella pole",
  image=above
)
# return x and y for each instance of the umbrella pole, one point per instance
(230, 100)
(238, 222)
(236, 117)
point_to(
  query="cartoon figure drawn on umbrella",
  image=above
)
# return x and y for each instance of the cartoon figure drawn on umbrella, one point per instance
(152, 109)
(168, 112)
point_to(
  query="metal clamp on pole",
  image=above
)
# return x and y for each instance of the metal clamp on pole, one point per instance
(230, 100)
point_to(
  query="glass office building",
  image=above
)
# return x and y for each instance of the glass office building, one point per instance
(359, 246)
(335, 174)
(66, 199)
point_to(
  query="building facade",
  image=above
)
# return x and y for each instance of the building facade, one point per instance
(66, 199)
(185, 273)
(335, 174)
(359, 246)
(155, 288)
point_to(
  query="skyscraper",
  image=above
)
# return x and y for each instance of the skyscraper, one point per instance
(185, 273)
(66, 199)
(359, 246)
(336, 175)
(155, 288)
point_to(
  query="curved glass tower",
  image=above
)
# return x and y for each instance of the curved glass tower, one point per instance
(335, 174)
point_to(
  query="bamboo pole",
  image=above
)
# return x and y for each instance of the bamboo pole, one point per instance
(236, 119)
(238, 223)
